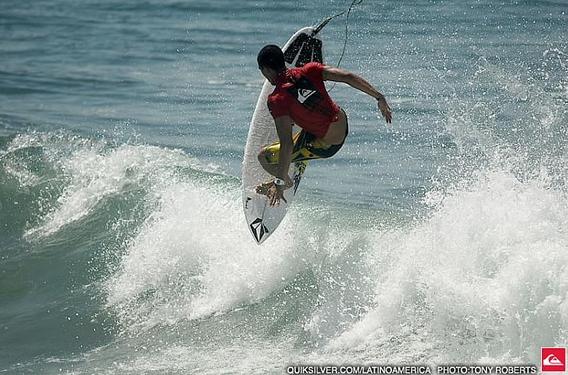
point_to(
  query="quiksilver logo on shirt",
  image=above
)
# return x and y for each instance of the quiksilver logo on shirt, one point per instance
(304, 94)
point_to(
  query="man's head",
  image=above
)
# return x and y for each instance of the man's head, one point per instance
(271, 62)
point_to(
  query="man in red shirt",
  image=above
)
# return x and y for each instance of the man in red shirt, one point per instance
(300, 98)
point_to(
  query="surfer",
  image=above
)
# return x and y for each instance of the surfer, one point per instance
(300, 98)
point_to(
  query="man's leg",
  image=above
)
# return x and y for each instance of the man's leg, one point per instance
(268, 157)
(306, 147)
(271, 168)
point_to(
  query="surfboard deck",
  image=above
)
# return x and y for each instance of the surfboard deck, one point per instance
(262, 219)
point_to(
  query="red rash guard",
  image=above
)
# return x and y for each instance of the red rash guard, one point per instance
(300, 93)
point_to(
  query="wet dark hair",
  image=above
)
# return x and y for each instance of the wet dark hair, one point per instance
(271, 56)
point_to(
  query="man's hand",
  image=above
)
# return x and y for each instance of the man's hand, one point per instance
(385, 109)
(275, 194)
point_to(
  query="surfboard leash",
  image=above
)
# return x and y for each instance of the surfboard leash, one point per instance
(326, 21)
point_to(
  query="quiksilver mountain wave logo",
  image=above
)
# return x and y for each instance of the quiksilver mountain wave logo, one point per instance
(304, 94)
(553, 359)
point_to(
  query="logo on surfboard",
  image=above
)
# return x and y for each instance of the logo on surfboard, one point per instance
(300, 167)
(258, 229)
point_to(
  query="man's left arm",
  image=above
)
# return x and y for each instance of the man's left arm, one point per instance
(330, 73)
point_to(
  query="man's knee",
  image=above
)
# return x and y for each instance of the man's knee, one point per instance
(268, 157)
(262, 157)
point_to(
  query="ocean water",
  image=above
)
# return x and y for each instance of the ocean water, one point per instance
(441, 238)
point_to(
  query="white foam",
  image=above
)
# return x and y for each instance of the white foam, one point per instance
(95, 173)
(486, 275)
(18, 167)
(194, 257)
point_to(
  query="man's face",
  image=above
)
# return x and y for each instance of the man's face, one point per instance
(269, 74)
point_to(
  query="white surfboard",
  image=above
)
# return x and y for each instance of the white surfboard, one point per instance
(262, 219)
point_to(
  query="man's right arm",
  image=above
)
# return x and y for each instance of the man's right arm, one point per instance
(284, 130)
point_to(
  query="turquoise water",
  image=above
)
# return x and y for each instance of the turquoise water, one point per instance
(123, 247)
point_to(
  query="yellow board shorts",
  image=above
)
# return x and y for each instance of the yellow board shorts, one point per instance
(306, 147)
